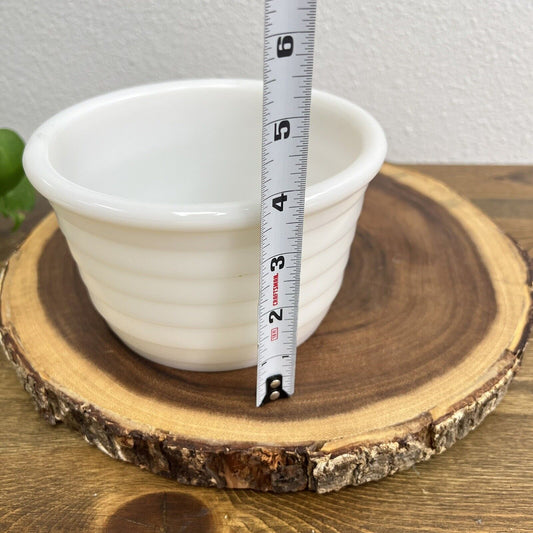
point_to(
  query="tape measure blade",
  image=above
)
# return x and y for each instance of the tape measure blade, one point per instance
(287, 82)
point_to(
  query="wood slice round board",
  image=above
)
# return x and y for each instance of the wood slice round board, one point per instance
(419, 346)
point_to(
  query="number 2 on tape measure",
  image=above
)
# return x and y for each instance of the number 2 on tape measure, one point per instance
(287, 81)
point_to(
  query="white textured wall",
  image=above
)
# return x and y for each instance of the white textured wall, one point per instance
(450, 80)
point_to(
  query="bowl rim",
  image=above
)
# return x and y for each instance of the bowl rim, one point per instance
(61, 192)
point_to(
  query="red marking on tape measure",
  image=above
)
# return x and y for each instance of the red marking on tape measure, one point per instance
(275, 288)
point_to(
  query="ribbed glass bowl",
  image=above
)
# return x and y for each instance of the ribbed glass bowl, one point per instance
(156, 189)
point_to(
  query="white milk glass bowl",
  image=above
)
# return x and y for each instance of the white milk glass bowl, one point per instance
(156, 189)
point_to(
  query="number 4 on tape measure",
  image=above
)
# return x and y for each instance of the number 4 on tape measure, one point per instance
(278, 201)
(287, 82)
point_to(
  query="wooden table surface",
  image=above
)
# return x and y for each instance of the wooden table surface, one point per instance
(51, 480)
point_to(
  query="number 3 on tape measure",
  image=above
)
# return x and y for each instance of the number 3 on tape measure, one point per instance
(277, 262)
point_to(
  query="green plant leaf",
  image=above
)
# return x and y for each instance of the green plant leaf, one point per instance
(11, 149)
(16, 202)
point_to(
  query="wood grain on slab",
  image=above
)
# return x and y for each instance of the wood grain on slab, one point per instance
(52, 481)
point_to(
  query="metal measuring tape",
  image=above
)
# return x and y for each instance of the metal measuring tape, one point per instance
(287, 82)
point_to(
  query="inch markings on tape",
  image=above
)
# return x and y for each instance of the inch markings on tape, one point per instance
(287, 83)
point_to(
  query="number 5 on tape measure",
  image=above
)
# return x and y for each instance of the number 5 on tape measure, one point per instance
(287, 82)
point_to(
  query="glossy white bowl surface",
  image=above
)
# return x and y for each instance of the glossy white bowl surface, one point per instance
(156, 189)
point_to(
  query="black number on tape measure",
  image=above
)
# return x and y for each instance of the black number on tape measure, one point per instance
(282, 130)
(277, 262)
(278, 201)
(285, 46)
(278, 315)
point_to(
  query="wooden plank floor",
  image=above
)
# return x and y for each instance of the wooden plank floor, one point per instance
(51, 480)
